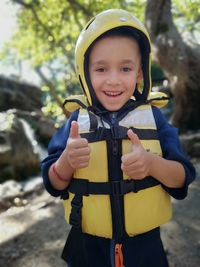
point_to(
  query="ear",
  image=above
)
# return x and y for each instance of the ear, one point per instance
(139, 75)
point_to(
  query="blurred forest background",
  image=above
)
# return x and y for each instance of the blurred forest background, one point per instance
(40, 58)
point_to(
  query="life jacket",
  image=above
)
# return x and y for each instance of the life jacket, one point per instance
(102, 200)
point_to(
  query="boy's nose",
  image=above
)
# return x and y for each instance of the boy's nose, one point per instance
(110, 82)
(113, 79)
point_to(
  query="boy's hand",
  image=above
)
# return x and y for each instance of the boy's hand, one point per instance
(136, 164)
(78, 150)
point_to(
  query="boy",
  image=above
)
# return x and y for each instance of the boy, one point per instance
(116, 161)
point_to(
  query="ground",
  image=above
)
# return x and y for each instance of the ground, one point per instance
(34, 235)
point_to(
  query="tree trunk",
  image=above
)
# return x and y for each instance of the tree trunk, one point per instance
(179, 61)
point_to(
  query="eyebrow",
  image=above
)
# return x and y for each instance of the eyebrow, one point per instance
(125, 61)
(128, 61)
(99, 62)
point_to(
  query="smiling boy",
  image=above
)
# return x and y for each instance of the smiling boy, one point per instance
(114, 74)
(117, 160)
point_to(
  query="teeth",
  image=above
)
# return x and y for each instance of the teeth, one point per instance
(113, 93)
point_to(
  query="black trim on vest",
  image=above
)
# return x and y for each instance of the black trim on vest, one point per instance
(159, 98)
(115, 174)
(93, 121)
(75, 215)
(75, 100)
(119, 132)
(114, 188)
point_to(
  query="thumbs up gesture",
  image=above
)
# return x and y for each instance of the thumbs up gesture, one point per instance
(78, 150)
(136, 164)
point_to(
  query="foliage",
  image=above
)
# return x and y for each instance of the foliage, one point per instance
(46, 38)
(47, 33)
(187, 15)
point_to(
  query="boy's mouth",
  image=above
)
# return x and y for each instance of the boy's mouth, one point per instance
(112, 94)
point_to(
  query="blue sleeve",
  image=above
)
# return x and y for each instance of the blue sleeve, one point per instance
(55, 149)
(171, 148)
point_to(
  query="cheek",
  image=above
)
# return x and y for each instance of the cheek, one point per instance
(93, 80)
(96, 82)
(131, 82)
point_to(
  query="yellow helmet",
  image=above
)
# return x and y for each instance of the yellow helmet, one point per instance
(101, 24)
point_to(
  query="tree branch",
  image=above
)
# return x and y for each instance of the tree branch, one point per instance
(52, 91)
(77, 6)
(169, 50)
(22, 3)
(158, 17)
(31, 7)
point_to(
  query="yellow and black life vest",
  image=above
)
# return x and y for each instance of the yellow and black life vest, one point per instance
(103, 201)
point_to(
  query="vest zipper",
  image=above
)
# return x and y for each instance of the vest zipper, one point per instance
(117, 200)
(115, 175)
(115, 147)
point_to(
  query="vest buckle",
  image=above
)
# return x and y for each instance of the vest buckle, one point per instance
(117, 188)
(134, 186)
(114, 132)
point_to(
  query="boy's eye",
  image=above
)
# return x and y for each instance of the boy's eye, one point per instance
(100, 69)
(126, 69)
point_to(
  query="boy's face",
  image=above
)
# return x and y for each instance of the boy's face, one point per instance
(115, 68)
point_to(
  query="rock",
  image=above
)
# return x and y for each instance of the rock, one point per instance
(34, 184)
(18, 156)
(10, 189)
(20, 95)
(191, 143)
(13, 193)
(43, 126)
(45, 129)
(21, 122)
(5, 148)
(196, 150)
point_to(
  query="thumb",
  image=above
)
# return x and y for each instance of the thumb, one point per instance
(133, 137)
(74, 130)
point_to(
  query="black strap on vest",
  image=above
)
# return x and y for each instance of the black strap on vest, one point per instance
(115, 188)
(75, 215)
(119, 133)
(83, 187)
(75, 100)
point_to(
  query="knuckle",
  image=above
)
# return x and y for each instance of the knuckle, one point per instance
(69, 145)
(83, 164)
(88, 150)
(84, 141)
